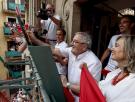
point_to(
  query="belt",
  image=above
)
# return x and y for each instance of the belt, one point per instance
(51, 40)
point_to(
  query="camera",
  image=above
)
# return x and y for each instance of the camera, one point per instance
(42, 13)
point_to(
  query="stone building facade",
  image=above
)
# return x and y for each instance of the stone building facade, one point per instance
(98, 17)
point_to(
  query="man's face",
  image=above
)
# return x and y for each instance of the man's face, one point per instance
(125, 26)
(50, 10)
(78, 46)
(59, 36)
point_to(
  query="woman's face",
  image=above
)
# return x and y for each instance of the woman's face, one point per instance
(118, 51)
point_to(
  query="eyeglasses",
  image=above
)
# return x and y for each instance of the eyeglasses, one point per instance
(77, 42)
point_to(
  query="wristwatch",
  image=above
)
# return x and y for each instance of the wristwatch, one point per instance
(68, 85)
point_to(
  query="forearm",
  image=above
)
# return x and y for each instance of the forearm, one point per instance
(105, 55)
(56, 21)
(75, 88)
(35, 40)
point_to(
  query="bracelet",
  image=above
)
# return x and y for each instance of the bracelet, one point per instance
(68, 85)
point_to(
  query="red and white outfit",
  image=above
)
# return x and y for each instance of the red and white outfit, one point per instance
(74, 64)
(123, 91)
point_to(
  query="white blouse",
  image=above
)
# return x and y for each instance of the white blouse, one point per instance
(123, 91)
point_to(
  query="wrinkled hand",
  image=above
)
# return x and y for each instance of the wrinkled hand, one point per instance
(64, 81)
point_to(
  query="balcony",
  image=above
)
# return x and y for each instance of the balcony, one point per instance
(10, 7)
(7, 31)
(13, 54)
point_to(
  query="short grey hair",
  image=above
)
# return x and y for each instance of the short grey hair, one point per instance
(85, 38)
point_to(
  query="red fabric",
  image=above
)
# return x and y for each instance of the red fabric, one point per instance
(89, 90)
(68, 95)
(19, 29)
(26, 26)
(105, 72)
(3, 97)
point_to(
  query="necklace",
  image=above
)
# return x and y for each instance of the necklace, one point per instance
(119, 77)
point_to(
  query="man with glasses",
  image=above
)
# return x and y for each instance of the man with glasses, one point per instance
(78, 54)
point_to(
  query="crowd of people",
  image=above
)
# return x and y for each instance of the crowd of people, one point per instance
(118, 86)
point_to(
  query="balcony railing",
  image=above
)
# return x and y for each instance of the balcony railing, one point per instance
(7, 31)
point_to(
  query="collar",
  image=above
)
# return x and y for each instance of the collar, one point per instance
(80, 56)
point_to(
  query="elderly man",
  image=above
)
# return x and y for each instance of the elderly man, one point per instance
(78, 54)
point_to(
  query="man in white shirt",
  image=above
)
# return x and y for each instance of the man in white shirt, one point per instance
(61, 44)
(126, 25)
(51, 24)
(77, 55)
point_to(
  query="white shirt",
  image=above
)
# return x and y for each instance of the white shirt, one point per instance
(61, 69)
(74, 63)
(111, 63)
(51, 27)
(123, 91)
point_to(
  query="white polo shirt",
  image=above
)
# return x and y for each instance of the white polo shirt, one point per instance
(51, 27)
(61, 69)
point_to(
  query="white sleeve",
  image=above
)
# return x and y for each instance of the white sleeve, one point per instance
(110, 43)
(42, 24)
(95, 70)
(57, 17)
(65, 52)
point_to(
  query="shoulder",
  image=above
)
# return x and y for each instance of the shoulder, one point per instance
(57, 16)
(42, 21)
(115, 36)
(64, 43)
(91, 58)
(91, 55)
(112, 74)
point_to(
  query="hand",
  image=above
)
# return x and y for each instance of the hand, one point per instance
(31, 35)
(64, 61)
(64, 80)
(83, 64)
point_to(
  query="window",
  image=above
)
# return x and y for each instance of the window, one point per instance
(13, 1)
(22, 1)
(12, 20)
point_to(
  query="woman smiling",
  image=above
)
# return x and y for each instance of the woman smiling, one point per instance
(119, 85)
